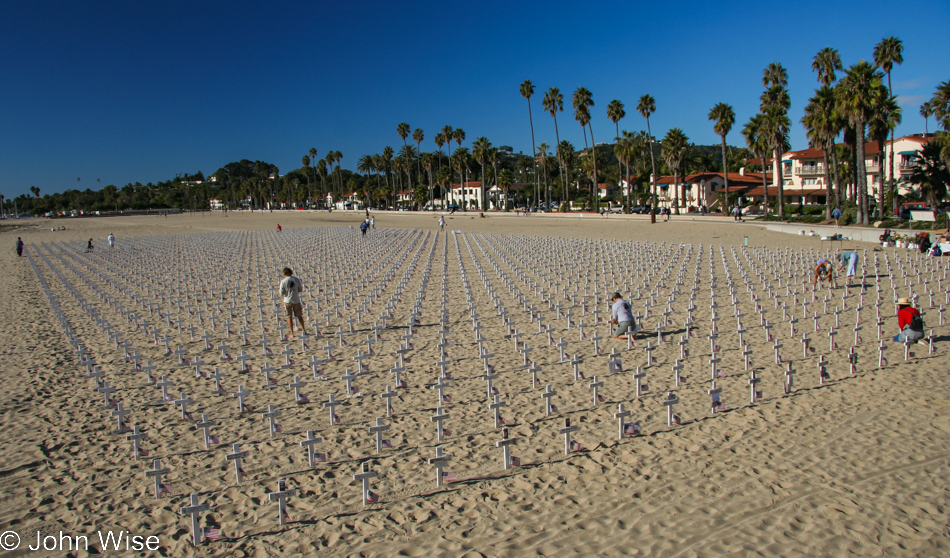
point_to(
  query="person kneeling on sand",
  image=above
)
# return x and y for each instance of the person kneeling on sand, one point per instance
(910, 322)
(290, 288)
(620, 314)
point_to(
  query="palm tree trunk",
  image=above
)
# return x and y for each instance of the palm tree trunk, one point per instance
(781, 186)
(653, 176)
(839, 194)
(676, 190)
(827, 187)
(593, 153)
(765, 184)
(860, 178)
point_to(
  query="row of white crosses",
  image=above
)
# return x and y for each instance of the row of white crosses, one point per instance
(494, 406)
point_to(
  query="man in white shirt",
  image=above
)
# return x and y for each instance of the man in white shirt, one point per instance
(621, 315)
(290, 288)
(111, 240)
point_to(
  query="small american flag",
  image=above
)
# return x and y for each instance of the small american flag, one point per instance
(515, 461)
(446, 432)
(494, 390)
(278, 428)
(502, 420)
(449, 477)
(214, 440)
(631, 429)
(319, 457)
(553, 408)
(303, 398)
(676, 419)
(372, 497)
(211, 533)
(387, 443)
(143, 453)
(165, 489)
(336, 419)
(447, 397)
(354, 389)
(575, 446)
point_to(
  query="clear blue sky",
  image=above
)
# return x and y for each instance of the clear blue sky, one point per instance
(141, 91)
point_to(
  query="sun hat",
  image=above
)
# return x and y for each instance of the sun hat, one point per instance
(903, 301)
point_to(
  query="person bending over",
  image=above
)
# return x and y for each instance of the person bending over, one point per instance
(824, 270)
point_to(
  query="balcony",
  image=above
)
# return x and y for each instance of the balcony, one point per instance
(872, 167)
(810, 170)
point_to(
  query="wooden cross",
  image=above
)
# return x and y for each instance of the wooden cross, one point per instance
(237, 456)
(439, 462)
(746, 354)
(488, 377)
(206, 425)
(566, 431)
(193, 510)
(330, 404)
(183, 402)
(575, 364)
(547, 395)
(670, 400)
(753, 381)
(241, 393)
(348, 378)
(622, 428)
(363, 476)
(638, 377)
(268, 382)
(312, 456)
(496, 406)
(822, 371)
(789, 378)
(439, 417)
(156, 473)
(297, 385)
(388, 396)
(378, 430)
(105, 389)
(137, 436)
(677, 368)
(595, 386)
(271, 416)
(715, 392)
(504, 444)
(119, 413)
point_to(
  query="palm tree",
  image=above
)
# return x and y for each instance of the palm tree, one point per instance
(941, 105)
(388, 154)
(646, 107)
(615, 113)
(887, 116)
(822, 126)
(857, 94)
(505, 181)
(674, 148)
(583, 100)
(305, 161)
(527, 90)
(624, 152)
(553, 103)
(313, 161)
(775, 103)
(402, 130)
(887, 53)
(825, 63)
(428, 162)
(755, 141)
(417, 136)
(481, 150)
(543, 157)
(725, 117)
(461, 165)
(927, 110)
(459, 136)
(440, 141)
(565, 151)
(321, 168)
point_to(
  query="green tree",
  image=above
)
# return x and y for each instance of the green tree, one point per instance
(932, 173)
(675, 147)
(822, 125)
(527, 90)
(857, 95)
(927, 110)
(402, 130)
(826, 62)
(616, 113)
(646, 107)
(886, 117)
(757, 144)
(887, 53)
(461, 165)
(583, 100)
(774, 106)
(724, 117)
(481, 149)
(554, 103)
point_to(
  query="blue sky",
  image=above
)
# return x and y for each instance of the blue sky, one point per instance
(141, 91)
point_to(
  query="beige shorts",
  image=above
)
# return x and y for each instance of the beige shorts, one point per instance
(294, 309)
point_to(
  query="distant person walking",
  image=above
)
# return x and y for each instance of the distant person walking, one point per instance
(372, 222)
(737, 213)
(111, 239)
(19, 246)
(89, 246)
(442, 223)
(363, 226)
(836, 215)
(290, 288)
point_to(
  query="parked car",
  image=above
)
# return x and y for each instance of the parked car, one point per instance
(640, 209)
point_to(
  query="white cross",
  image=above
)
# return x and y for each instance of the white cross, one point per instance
(668, 403)
(136, 436)
(439, 417)
(281, 496)
(439, 462)
(206, 425)
(271, 415)
(241, 393)
(363, 476)
(157, 472)
(237, 456)
(330, 405)
(193, 510)
(566, 431)
(312, 456)
(496, 406)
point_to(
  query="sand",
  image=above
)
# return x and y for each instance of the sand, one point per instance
(857, 466)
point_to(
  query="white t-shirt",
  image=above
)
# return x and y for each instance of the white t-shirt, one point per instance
(111, 239)
(290, 289)
(621, 311)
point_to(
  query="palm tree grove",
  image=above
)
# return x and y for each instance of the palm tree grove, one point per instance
(851, 115)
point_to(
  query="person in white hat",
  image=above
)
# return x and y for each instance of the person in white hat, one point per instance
(910, 322)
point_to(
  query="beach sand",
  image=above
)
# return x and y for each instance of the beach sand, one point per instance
(857, 466)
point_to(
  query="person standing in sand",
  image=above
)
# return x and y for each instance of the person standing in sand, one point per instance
(19, 246)
(111, 240)
(290, 288)
(372, 222)
(621, 316)
(89, 246)
(442, 223)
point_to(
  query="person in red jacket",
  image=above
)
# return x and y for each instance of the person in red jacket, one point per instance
(908, 319)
